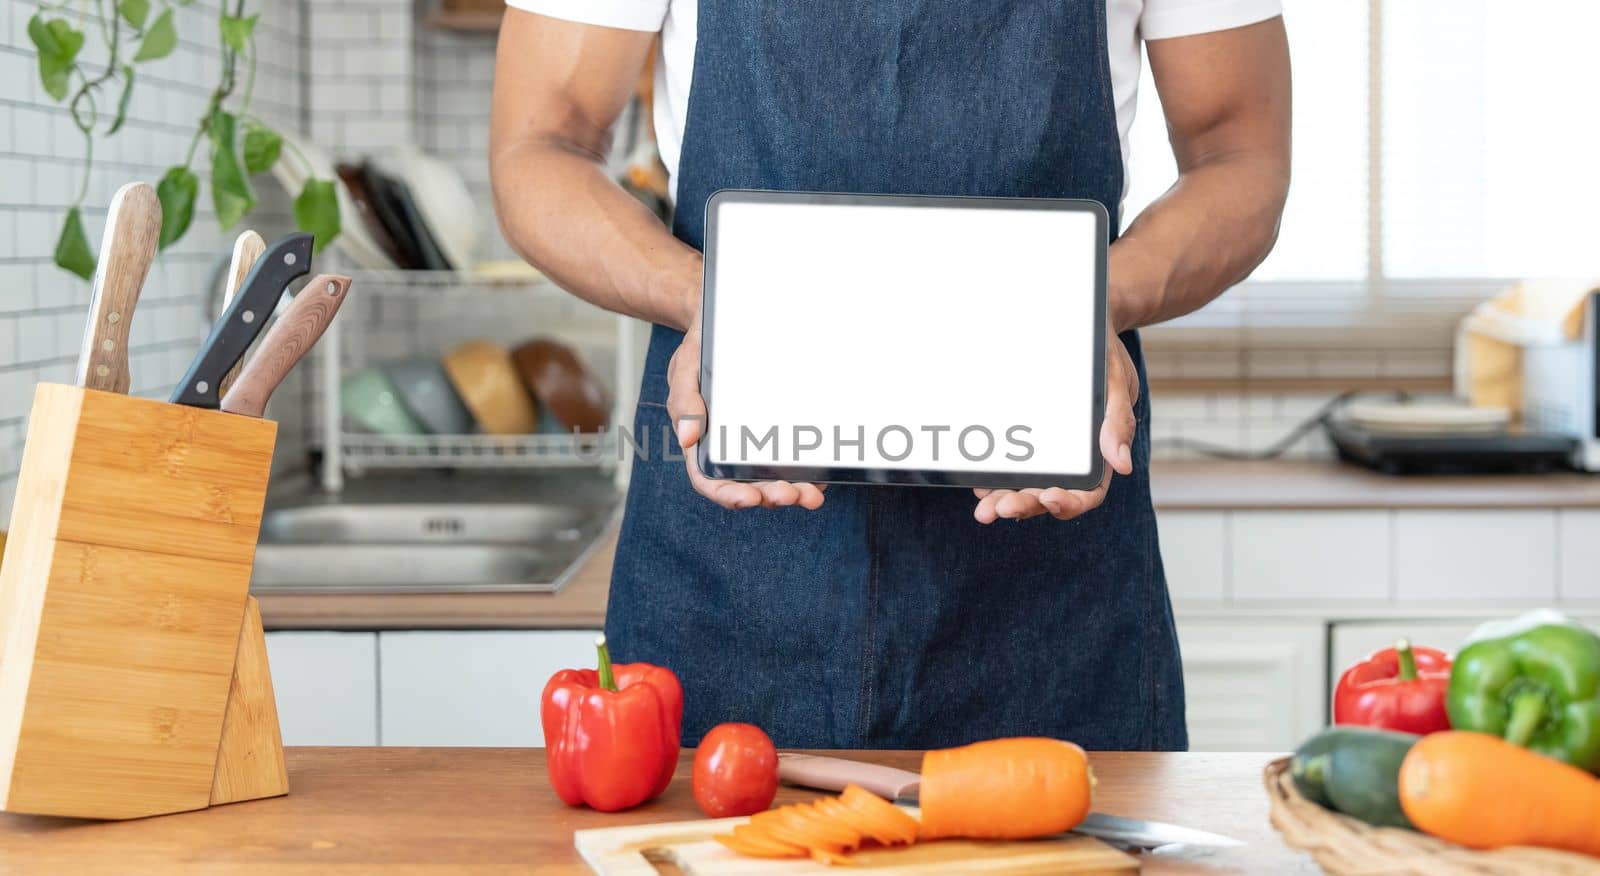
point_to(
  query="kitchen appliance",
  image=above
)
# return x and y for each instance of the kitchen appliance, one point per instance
(688, 845)
(834, 773)
(1561, 387)
(127, 246)
(135, 680)
(1513, 451)
(242, 320)
(247, 250)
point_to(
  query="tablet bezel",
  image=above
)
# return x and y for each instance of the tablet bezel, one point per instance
(911, 477)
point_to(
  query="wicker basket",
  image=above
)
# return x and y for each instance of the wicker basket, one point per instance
(1346, 847)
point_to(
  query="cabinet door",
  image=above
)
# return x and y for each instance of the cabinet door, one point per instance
(472, 688)
(1253, 686)
(1353, 641)
(326, 685)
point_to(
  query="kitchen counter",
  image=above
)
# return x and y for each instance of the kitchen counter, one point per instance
(487, 810)
(1176, 486)
(1317, 485)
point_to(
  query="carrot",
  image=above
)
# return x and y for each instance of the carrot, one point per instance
(826, 829)
(1481, 791)
(1005, 789)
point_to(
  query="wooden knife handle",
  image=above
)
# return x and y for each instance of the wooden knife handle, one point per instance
(286, 343)
(128, 245)
(246, 249)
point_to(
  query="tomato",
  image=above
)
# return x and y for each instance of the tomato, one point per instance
(735, 771)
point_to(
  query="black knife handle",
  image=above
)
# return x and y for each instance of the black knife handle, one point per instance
(282, 262)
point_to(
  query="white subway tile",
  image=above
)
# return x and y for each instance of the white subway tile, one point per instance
(1314, 556)
(36, 338)
(1466, 556)
(1192, 552)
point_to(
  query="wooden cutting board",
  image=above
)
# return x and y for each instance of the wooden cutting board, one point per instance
(636, 850)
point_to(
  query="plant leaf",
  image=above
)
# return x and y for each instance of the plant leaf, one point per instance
(231, 195)
(261, 147)
(236, 30)
(58, 43)
(316, 210)
(122, 102)
(159, 40)
(134, 12)
(176, 192)
(72, 247)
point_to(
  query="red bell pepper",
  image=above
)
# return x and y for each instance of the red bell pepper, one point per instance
(1399, 688)
(611, 735)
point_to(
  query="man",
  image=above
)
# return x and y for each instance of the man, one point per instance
(894, 616)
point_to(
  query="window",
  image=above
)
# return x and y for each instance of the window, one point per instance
(1441, 147)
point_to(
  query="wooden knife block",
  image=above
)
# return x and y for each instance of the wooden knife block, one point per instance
(133, 669)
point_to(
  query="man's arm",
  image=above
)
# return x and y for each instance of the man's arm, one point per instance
(1226, 96)
(558, 89)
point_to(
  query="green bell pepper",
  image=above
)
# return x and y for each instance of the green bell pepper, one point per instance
(1538, 688)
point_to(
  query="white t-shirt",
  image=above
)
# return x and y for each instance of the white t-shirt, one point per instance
(1127, 22)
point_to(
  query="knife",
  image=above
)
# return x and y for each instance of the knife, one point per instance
(247, 248)
(286, 343)
(243, 319)
(127, 246)
(833, 773)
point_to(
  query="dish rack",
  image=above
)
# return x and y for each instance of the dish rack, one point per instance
(418, 315)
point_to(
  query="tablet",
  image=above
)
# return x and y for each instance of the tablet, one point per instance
(942, 341)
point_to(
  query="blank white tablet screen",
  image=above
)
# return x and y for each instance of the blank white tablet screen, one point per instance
(902, 337)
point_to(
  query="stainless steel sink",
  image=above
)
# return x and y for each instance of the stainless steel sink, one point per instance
(432, 533)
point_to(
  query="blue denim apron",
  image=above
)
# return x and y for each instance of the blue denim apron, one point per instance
(890, 618)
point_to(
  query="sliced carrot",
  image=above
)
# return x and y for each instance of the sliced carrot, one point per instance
(1005, 789)
(829, 832)
(757, 836)
(755, 848)
(822, 856)
(887, 822)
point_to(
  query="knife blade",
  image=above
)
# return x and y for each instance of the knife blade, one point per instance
(286, 343)
(127, 246)
(833, 773)
(247, 249)
(242, 320)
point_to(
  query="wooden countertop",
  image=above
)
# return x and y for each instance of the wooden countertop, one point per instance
(1176, 486)
(491, 810)
(1309, 485)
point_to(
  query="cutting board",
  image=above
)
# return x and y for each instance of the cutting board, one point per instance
(637, 849)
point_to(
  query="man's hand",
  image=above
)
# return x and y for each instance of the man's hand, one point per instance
(1116, 444)
(688, 411)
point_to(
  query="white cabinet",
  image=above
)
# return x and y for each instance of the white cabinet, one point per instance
(472, 688)
(1192, 544)
(326, 686)
(1253, 686)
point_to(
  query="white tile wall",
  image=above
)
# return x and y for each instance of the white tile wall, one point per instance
(1475, 556)
(41, 306)
(1312, 556)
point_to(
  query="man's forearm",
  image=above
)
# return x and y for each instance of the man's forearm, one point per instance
(1205, 234)
(562, 213)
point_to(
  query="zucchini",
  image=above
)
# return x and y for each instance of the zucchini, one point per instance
(1354, 770)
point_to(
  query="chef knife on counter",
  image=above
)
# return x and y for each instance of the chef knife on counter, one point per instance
(286, 343)
(247, 250)
(127, 246)
(242, 320)
(834, 773)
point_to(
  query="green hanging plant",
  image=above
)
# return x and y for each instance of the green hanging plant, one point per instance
(138, 32)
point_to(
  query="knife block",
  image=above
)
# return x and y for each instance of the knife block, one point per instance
(133, 674)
